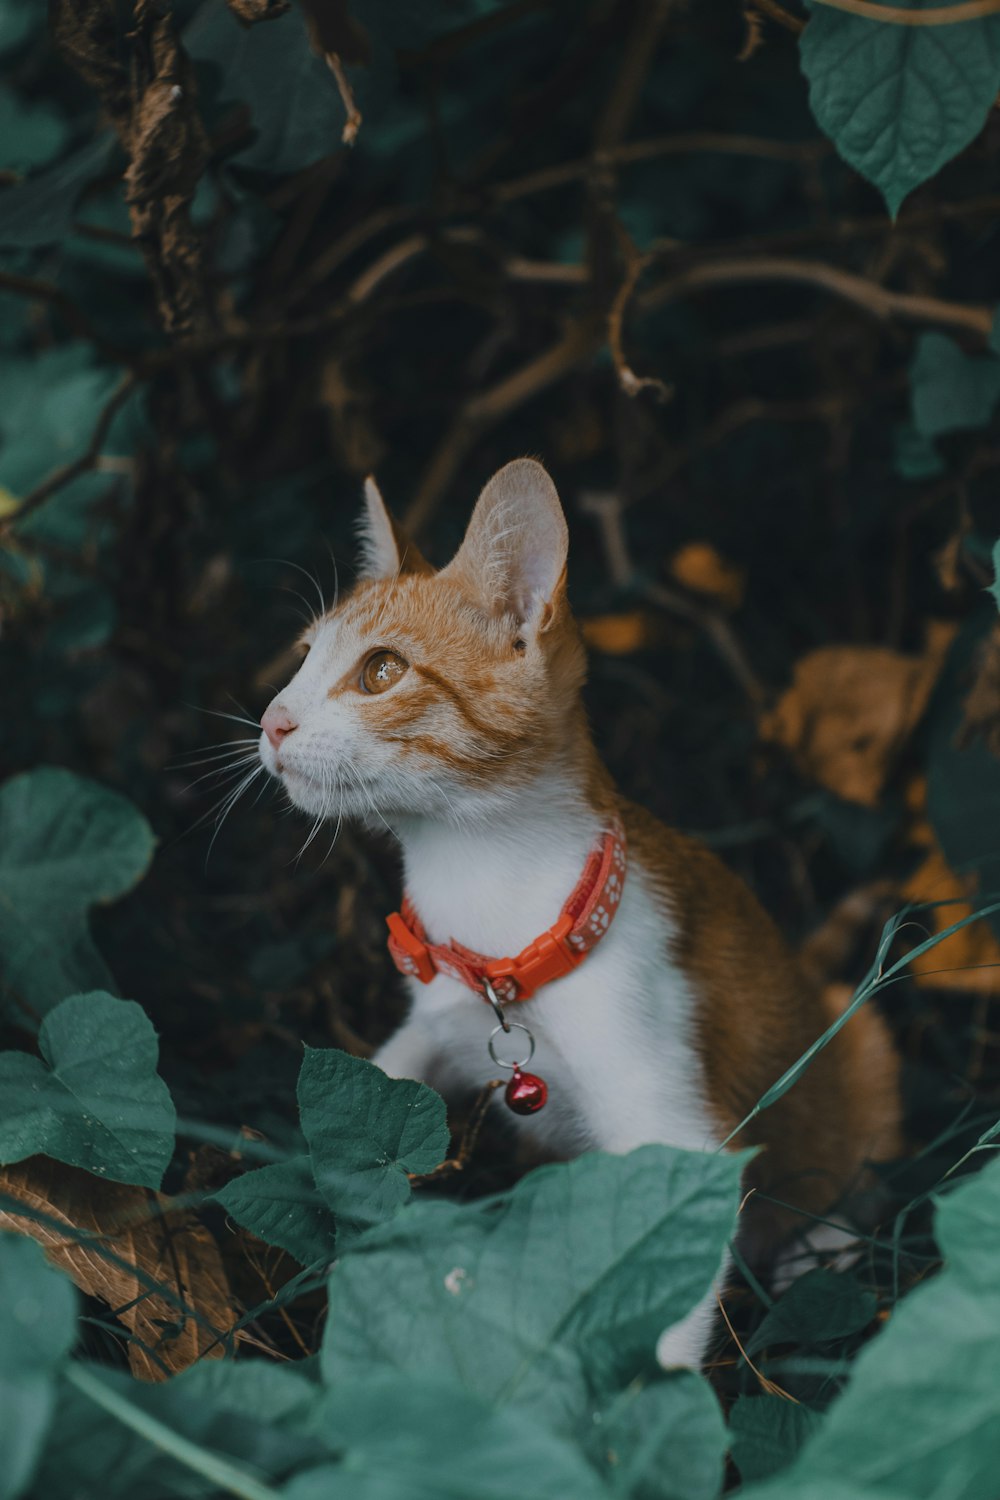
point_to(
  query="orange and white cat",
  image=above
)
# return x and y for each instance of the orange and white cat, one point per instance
(446, 705)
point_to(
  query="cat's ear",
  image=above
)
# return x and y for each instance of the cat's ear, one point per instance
(385, 550)
(513, 558)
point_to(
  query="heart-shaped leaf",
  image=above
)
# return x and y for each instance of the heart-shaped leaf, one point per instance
(95, 1099)
(366, 1131)
(899, 101)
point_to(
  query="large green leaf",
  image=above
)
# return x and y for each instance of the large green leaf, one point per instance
(544, 1295)
(37, 1329)
(65, 844)
(401, 1439)
(365, 1132)
(40, 210)
(951, 390)
(282, 1206)
(899, 101)
(96, 1101)
(665, 1441)
(920, 1416)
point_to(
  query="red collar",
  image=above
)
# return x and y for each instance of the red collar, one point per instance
(582, 923)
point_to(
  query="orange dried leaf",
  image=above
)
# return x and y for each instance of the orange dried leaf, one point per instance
(618, 635)
(171, 1248)
(699, 567)
(850, 711)
(962, 961)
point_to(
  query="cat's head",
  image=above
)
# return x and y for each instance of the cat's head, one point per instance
(436, 692)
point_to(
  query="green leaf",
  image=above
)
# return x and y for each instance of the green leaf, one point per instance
(818, 1307)
(402, 1439)
(920, 1416)
(31, 132)
(766, 1433)
(282, 1206)
(665, 1441)
(65, 844)
(96, 1101)
(950, 390)
(50, 406)
(567, 1281)
(37, 1330)
(994, 587)
(365, 1132)
(914, 455)
(899, 101)
(295, 108)
(40, 210)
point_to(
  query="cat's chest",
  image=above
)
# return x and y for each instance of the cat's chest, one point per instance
(616, 1040)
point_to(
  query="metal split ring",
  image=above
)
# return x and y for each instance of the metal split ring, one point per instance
(511, 1026)
(494, 999)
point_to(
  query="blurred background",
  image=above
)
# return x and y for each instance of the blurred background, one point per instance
(251, 252)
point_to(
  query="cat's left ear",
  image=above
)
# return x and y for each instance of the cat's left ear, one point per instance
(513, 558)
(385, 550)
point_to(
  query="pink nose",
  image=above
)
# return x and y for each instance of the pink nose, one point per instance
(276, 723)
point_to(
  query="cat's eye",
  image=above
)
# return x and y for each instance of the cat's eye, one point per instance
(381, 671)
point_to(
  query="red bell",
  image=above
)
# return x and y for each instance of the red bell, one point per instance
(526, 1093)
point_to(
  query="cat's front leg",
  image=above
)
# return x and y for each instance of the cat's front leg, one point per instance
(409, 1053)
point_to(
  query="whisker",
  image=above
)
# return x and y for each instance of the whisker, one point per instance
(229, 803)
(286, 562)
(217, 713)
(225, 772)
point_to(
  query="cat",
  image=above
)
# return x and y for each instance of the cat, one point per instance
(447, 706)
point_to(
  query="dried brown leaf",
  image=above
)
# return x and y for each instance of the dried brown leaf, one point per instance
(167, 1246)
(699, 567)
(967, 960)
(850, 711)
(620, 635)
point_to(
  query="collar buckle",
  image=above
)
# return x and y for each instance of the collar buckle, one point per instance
(549, 957)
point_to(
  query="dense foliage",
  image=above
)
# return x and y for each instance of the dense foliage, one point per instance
(732, 270)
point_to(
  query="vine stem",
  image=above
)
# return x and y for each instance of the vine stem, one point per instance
(936, 15)
(212, 1466)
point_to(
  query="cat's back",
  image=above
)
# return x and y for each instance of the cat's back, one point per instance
(755, 1013)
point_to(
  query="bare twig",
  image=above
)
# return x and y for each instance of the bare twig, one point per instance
(470, 1136)
(74, 317)
(865, 294)
(937, 15)
(579, 341)
(628, 380)
(778, 13)
(352, 124)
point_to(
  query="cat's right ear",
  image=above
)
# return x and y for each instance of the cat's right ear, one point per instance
(385, 550)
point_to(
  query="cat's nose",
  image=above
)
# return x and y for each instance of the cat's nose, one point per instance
(276, 723)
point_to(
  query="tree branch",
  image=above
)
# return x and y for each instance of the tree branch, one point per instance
(868, 295)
